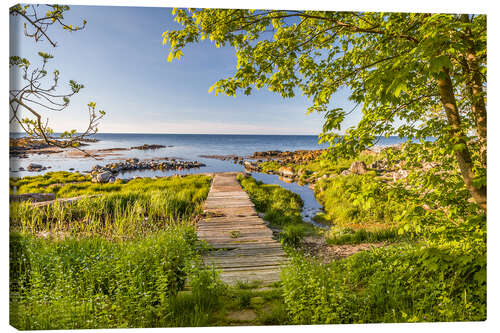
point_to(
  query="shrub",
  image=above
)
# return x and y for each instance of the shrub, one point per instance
(392, 284)
(292, 235)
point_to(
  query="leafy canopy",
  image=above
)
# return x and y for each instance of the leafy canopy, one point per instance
(390, 63)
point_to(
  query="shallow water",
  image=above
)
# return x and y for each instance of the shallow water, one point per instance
(311, 205)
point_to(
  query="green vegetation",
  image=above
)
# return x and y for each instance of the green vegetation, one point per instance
(395, 284)
(119, 259)
(66, 184)
(281, 209)
(128, 257)
(433, 266)
(138, 208)
(435, 270)
(95, 283)
(51, 182)
(341, 235)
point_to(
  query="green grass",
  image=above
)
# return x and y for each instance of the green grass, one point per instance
(47, 183)
(138, 208)
(404, 283)
(340, 235)
(95, 283)
(357, 199)
(66, 184)
(115, 260)
(281, 208)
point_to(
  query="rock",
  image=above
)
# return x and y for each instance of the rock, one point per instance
(286, 171)
(34, 167)
(133, 160)
(400, 174)
(345, 173)
(379, 164)
(358, 167)
(242, 315)
(104, 177)
(21, 169)
(111, 180)
(35, 197)
(146, 146)
(71, 169)
(251, 166)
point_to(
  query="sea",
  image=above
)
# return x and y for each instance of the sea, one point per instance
(189, 147)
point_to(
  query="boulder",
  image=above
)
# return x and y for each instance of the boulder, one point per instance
(34, 167)
(251, 166)
(345, 173)
(104, 177)
(133, 160)
(379, 164)
(286, 171)
(34, 197)
(358, 167)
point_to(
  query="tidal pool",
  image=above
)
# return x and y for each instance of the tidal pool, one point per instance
(311, 205)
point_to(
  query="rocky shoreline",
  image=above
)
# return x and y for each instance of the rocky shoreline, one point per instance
(288, 173)
(23, 147)
(109, 172)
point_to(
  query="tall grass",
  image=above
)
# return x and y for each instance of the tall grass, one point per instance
(341, 235)
(357, 199)
(95, 283)
(395, 284)
(66, 184)
(115, 260)
(141, 207)
(281, 207)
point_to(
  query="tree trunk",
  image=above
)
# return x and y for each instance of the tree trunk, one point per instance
(475, 88)
(462, 155)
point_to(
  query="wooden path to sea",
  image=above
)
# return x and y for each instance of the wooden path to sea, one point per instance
(243, 246)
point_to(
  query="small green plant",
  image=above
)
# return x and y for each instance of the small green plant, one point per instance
(235, 234)
(292, 235)
(343, 235)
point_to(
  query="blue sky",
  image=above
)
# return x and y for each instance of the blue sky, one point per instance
(120, 59)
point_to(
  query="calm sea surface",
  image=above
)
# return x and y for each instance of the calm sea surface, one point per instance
(182, 146)
(188, 147)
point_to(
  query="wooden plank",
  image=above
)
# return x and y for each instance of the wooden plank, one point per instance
(254, 254)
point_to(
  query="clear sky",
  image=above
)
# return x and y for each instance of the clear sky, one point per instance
(120, 59)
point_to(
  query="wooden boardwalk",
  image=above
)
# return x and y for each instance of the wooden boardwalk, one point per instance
(243, 245)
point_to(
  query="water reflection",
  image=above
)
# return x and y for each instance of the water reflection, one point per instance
(311, 205)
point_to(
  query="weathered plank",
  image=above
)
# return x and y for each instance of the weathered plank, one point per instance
(247, 249)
